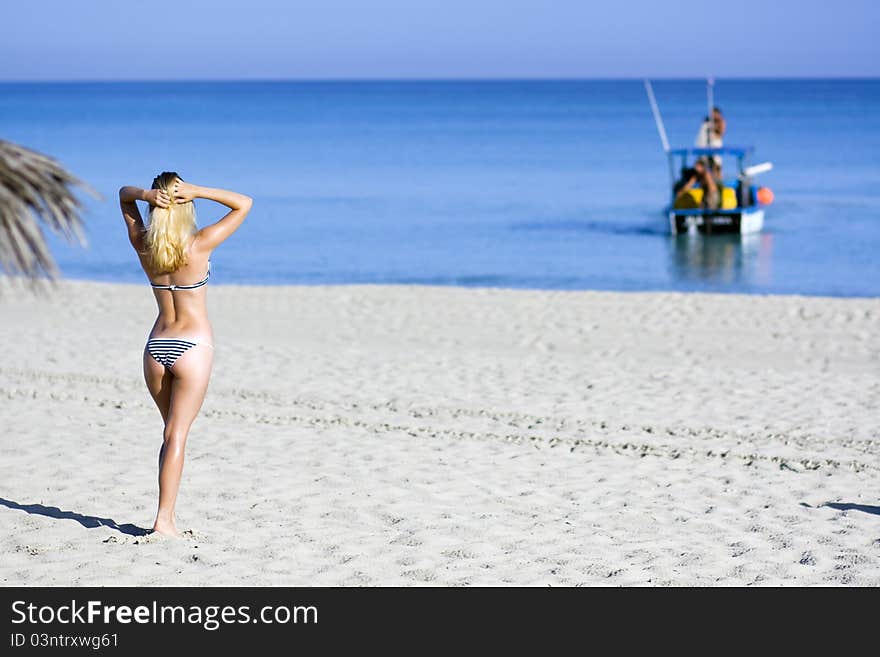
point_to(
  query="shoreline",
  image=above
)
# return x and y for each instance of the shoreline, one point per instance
(7, 282)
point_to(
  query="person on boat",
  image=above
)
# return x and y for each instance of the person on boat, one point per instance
(711, 135)
(700, 176)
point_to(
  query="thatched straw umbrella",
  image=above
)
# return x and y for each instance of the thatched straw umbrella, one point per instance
(35, 190)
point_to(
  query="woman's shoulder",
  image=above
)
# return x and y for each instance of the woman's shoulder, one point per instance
(198, 246)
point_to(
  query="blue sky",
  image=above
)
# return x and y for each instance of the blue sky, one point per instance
(103, 39)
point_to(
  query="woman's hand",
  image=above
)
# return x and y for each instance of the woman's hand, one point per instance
(184, 192)
(157, 197)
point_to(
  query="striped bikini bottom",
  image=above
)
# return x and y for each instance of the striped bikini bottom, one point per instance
(166, 351)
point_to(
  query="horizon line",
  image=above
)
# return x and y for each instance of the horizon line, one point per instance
(633, 78)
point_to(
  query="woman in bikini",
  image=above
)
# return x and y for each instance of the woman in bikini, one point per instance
(175, 256)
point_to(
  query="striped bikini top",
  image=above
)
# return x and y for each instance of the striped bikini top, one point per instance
(204, 281)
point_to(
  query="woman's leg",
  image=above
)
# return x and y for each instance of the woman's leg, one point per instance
(158, 383)
(191, 374)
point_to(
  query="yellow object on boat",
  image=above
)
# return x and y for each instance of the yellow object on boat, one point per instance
(693, 197)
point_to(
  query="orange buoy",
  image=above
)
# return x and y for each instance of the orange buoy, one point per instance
(765, 195)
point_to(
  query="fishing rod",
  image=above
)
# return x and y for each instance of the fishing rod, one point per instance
(661, 129)
(658, 120)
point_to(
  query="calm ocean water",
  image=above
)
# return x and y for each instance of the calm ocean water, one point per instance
(538, 184)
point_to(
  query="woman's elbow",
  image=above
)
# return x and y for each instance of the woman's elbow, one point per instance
(247, 203)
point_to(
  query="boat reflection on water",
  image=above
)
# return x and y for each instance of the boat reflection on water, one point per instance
(743, 260)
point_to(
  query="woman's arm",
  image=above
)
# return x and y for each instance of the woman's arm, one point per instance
(210, 237)
(133, 221)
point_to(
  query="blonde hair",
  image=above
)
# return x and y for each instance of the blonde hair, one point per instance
(170, 228)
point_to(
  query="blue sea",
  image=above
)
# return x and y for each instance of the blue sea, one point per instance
(523, 184)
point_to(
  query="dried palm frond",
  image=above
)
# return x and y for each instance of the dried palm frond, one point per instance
(35, 190)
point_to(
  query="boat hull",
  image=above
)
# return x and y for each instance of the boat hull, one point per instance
(748, 220)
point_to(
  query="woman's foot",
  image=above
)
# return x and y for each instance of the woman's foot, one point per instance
(166, 528)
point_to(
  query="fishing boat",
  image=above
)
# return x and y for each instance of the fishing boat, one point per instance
(741, 200)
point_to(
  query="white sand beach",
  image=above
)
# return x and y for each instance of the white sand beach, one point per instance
(373, 435)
